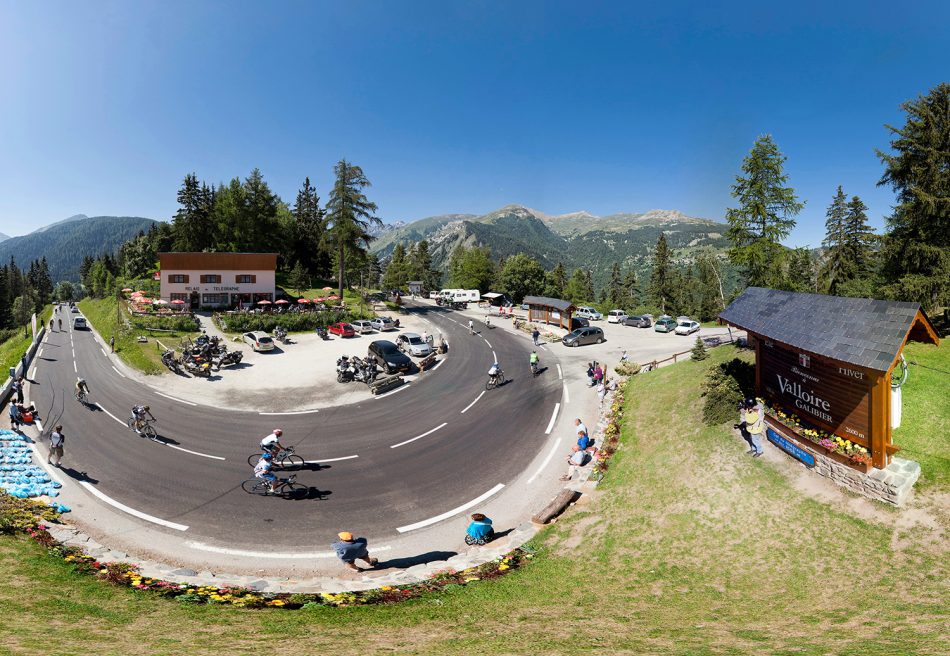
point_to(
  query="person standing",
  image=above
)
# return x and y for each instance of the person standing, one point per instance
(536, 335)
(755, 424)
(350, 549)
(112, 343)
(56, 440)
(14, 417)
(19, 389)
(471, 326)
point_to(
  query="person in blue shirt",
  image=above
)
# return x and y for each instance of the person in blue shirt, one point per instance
(480, 531)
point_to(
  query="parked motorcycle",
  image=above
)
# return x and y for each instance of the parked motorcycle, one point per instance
(169, 360)
(322, 333)
(227, 358)
(280, 333)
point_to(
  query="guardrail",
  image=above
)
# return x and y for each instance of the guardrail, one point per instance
(385, 383)
(709, 342)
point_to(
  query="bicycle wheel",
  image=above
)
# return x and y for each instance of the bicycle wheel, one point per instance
(490, 383)
(256, 486)
(130, 422)
(149, 431)
(293, 491)
(291, 461)
(254, 458)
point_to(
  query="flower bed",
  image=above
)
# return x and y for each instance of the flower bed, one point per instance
(845, 450)
(19, 516)
(611, 439)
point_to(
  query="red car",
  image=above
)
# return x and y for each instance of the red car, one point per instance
(342, 329)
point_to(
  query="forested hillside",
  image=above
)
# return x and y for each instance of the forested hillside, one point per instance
(65, 244)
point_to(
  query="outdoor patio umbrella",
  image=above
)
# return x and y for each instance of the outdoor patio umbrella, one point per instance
(281, 302)
(333, 298)
(161, 301)
(178, 301)
(144, 300)
(319, 300)
(327, 289)
(126, 290)
(302, 300)
(264, 302)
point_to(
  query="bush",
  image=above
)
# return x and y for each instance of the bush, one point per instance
(627, 368)
(304, 321)
(725, 386)
(699, 350)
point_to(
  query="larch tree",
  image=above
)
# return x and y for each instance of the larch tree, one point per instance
(765, 215)
(350, 215)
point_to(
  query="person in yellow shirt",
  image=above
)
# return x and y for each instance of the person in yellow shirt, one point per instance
(755, 425)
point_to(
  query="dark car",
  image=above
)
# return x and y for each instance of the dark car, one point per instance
(639, 321)
(577, 322)
(581, 336)
(389, 357)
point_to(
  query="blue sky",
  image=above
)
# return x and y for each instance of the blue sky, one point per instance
(453, 106)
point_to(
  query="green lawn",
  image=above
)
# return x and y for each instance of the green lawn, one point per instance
(688, 547)
(146, 357)
(13, 349)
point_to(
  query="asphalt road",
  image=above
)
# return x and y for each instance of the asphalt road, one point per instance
(465, 455)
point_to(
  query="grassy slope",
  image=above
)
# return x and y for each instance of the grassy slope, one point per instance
(13, 349)
(692, 548)
(145, 357)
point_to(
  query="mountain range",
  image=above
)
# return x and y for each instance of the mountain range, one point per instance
(576, 240)
(65, 243)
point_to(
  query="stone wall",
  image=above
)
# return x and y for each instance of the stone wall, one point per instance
(890, 485)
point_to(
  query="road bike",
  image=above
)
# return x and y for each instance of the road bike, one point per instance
(534, 368)
(287, 488)
(147, 430)
(81, 396)
(496, 380)
(285, 459)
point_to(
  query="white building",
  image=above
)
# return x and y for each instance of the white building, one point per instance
(218, 279)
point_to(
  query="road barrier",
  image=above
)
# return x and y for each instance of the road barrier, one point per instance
(385, 383)
(427, 362)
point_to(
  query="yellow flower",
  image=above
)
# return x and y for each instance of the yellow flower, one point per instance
(503, 567)
(472, 578)
(275, 602)
(386, 587)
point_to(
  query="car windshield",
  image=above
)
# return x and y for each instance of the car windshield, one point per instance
(264, 340)
(387, 347)
(576, 333)
(415, 340)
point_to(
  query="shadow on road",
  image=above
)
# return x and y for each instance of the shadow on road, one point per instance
(78, 475)
(409, 561)
(308, 494)
(161, 439)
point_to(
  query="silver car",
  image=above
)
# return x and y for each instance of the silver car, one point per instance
(382, 324)
(413, 344)
(362, 326)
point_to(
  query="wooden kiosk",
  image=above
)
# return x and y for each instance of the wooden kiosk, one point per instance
(550, 310)
(828, 361)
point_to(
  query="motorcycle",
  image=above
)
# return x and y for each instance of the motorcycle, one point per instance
(322, 333)
(281, 334)
(198, 368)
(168, 359)
(343, 372)
(226, 358)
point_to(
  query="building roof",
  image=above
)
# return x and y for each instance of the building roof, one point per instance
(218, 261)
(556, 303)
(859, 331)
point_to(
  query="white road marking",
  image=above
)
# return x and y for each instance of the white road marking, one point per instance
(295, 412)
(418, 437)
(398, 389)
(454, 511)
(32, 374)
(40, 352)
(132, 511)
(39, 425)
(487, 342)
(203, 455)
(47, 468)
(174, 399)
(99, 405)
(567, 395)
(317, 462)
(75, 368)
(473, 402)
(495, 357)
(557, 406)
(270, 554)
(542, 346)
(117, 371)
(103, 351)
(438, 364)
(547, 459)
(74, 354)
(560, 374)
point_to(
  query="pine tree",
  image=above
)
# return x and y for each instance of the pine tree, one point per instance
(589, 291)
(765, 213)
(838, 264)
(660, 289)
(631, 289)
(397, 271)
(555, 282)
(616, 292)
(576, 289)
(711, 298)
(421, 267)
(192, 222)
(350, 215)
(307, 231)
(800, 274)
(917, 244)
(298, 279)
(859, 238)
(699, 352)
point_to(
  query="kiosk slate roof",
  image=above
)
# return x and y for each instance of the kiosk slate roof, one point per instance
(556, 303)
(860, 331)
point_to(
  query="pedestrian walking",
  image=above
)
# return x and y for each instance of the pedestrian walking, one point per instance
(112, 343)
(536, 335)
(14, 417)
(51, 323)
(471, 326)
(19, 389)
(56, 440)
(350, 549)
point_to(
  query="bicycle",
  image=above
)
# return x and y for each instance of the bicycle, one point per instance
(81, 396)
(285, 459)
(534, 369)
(496, 380)
(287, 488)
(147, 430)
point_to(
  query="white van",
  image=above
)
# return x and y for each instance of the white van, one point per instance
(616, 316)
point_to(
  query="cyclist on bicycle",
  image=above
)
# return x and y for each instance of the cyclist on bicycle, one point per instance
(495, 371)
(271, 444)
(138, 413)
(60, 322)
(263, 469)
(533, 361)
(81, 386)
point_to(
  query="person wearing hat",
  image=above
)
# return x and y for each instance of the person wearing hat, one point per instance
(753, 424)
(350, 549)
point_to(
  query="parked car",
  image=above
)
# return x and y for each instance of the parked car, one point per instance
(639, 321)
(581, 336)
(382, 324)
(616, 316)
(665, 325)
(342, 329)
(259, 341)
(389, 357)
(687, 327)
(586, 312)
(79, 323)
(74, 310)
(362, 326)
(579, 323)
(412, 344)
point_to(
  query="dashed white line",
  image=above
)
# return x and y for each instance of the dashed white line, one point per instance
(560, 374)
(398, 389)
(494, 357)
(132, 511)
(99, 405)
(203, 455)
(117, 371)
(557, 406)
(454, 511)
(317, 462)
(438, 364)
(103, 351)
(269, 554)
(473, 402)
(295, 412)
(418, 437)
(567, 395)
(547, 459)
(174, 399)
(75, 368)
(542, 346)
(32, 374)
(487, 342)
(40, 352)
